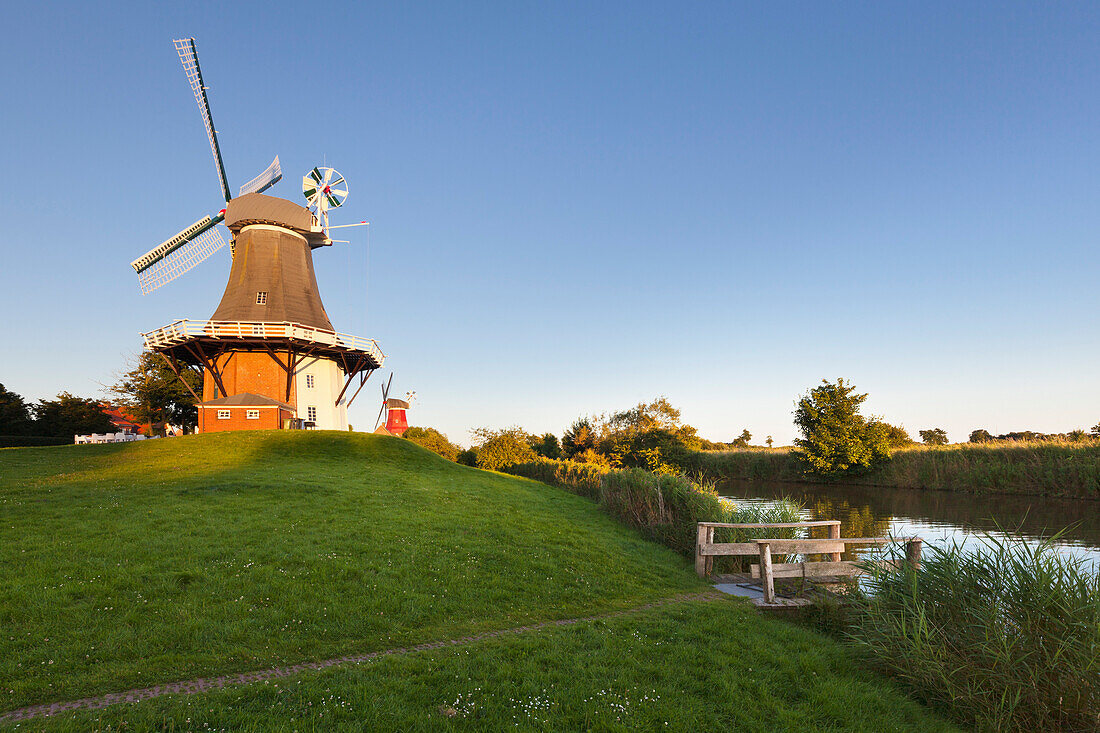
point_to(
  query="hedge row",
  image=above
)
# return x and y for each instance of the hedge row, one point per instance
(24, 441)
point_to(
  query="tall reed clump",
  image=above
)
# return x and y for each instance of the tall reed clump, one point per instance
(1004, 638)
(664, 507)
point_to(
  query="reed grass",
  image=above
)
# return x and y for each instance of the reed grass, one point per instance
(1005, 637)
(1047, 467)
(1059, 468)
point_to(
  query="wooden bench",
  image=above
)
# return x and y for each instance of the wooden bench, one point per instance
(707, 549)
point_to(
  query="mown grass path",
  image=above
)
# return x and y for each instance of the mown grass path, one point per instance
(206, 684)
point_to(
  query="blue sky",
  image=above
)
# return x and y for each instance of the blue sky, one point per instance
(579, 206)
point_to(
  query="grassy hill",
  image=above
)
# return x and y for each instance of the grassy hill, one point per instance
(130, 565)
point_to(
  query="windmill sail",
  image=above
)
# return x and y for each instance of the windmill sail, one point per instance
(265, 180)
(189, 57)
(178, 255)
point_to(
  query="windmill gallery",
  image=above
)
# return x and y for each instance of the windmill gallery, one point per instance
(269, 355)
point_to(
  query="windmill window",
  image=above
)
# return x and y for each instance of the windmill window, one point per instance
(309, 381)
(223, 414)
(261, 297)
(311, 413)
(252, 415)
(257, 330)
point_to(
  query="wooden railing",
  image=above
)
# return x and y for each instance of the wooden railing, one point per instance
(178, 332)
(706, 550)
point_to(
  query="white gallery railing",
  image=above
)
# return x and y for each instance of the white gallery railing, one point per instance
(178, 332)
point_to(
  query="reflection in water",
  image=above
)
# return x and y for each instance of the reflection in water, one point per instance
(938, 516)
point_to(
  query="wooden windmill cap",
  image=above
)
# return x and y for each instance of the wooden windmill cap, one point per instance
(256, 208)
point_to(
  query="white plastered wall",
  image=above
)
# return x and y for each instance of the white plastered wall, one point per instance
(328, 380)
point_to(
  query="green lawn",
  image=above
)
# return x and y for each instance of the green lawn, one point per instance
(686, 667)
(127, 565)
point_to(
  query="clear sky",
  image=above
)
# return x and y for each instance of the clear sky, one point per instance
(579, 206)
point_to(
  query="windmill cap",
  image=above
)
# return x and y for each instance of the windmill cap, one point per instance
(256, 208)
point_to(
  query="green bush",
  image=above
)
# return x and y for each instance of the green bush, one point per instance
(1005, 637)
(498, 449)
(434, 441)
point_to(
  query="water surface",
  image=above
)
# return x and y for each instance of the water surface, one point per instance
(938, 516)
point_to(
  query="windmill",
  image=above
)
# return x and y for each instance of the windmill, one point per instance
(269, 355)
(394, 409)
(180, 254)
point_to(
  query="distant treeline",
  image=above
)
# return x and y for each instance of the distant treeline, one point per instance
(49, 422)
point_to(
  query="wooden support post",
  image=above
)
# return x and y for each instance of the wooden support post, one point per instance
(912, 552)
(700, 559)
(362, 380)
(710, 558)
(766, 578)
(289, 373)
(834, 534)
(179, 376)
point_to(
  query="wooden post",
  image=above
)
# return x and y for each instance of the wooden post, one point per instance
(766, 578)
(834, 534)
(912, 552)
(710, 558)
(700, 560)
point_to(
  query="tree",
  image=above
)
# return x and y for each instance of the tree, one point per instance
(152, 393)
(980, 436)
(498, 449)
(15, 414)
(434, 441)
(68, 416)
(642, 418)
(896, 437)
(934, 436)
(578, 438)
(768, 441)
(1095, 431)
(837, 440)
(742, 441)
(546, 446)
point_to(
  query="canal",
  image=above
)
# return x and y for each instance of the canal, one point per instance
(938, 517)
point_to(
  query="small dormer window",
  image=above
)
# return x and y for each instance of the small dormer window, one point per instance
(261, 297)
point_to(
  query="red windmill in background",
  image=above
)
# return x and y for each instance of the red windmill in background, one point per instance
(396, 421)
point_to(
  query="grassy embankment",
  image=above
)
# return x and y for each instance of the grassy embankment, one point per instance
(1047, 468)
(135, 564)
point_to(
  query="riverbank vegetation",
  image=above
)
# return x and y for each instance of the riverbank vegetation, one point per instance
(1057, 468)
(127, 565)
(837, 443)
(664, 507)
(1004, 636)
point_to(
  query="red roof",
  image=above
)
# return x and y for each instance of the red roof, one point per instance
(123, 420)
